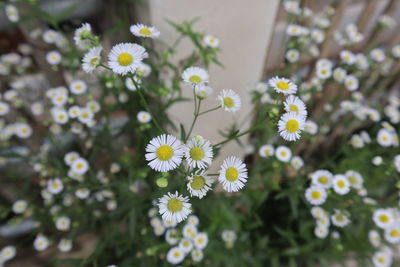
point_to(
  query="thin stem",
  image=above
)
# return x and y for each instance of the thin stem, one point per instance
(146, 106)
(196, 113)
(209, 110)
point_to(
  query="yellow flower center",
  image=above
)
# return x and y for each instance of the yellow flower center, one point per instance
(293, 107)
(341, 184)
(381, 259)
(198, 182)
(165, 152)
(283, 153)
(125, 59)
(340, 217)
(323, 179)
(395, 233)
(282, 85)
(174, 205)
(228, 102)
(94, 61)
(324, 71)
(292, 126)
(79, 166)
(195, 79)
(196, 153)
(145, 31)
(200, 240)
(231, 174)
(352, 180)
(177, 254)
(316, 194)
(384, 218)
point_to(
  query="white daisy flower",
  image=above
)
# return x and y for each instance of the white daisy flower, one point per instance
(36, 108)
(19, 206)
(82, 193)
(266, 151)
(198, 152)
(377, 160)
(384, 137)
(82, 36)
(382, 259)
(318, 212)
(77, 87)
(193, 220)
(60, 116)
(85, 115)
(23, 130)
(53, 57)
(141, 30)
(340, 184)
(233, 174)
(339, 219)
(290, 126)
(199, 184)
(7, 253)
(63, 223)
(392, 234)
(311, 127)
(322, 178)
(164, 153)
(195, 76)
(377, 55)
(210, 41)
(143, 117)
(174, 207)
(316, 195)
(292, 55)
(92, 59)
(347, 57)
(172, 236)
(230, 100)
(321, 231)
(296, 30)
(297, 162)
(317, 35)
(324, 73)
(355, 179)
(294, 104)
(190, 231)
(4, 108)
(80, 166)
(197, 255)
(59, 100)
(55, 186)
(175, 255)
(143, 70)
(125, 57)
(383, 218)
(41, 243)
(12, 13)
(203, 91)
(93, 105)
(65, 245)
(283, 153)
(339, 74)
(374, 238)
(351, 83)
(283, 85)
(71, 157)
(186, 245)
(201, 240)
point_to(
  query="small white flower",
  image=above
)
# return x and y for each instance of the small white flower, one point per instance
(297, 162)
(198, 152)
(211, 41)
(355, 179)
(174, 207)
(141, 30)
(60, 116)
(41, 243)
(82, 36)
(199, 184)
(80, 166)
(82, 193)
(201, 240)
(23, 130)
(290, 126)
(186, 245)
(85, 115)
(382, 259)
(55, 186)
(65, 245)
(53, 57)
(377, 55)
(12, 13)
(292, 55)
(197, 255)
(266, 151)
(351, 83)
(19, 206)
(126, 57)
(164, 153)
(203, 91)
(347, 57)
(4, 108)
(392, 234)
(321, 231)
(229, 100)
(339, 74)
(383, 218)
(63, 223)
(143, 117)
(175, 255)
(374, 238)
(77, 87)
(384, 137)
(322, 178)
(74, 112)
(7, 253)
(233, 174)
(195, 76)
(92, 59)
(339, 219)
(340, 184)
(294, 104)
(283, 153)
(283, 85)
(316, 195)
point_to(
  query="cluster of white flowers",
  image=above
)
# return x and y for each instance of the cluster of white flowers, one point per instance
(187, 241)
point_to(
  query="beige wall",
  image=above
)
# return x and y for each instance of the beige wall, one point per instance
(244, 29)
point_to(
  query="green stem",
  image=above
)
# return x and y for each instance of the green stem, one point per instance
(237, 136)
(209, 110)
(196, 114)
